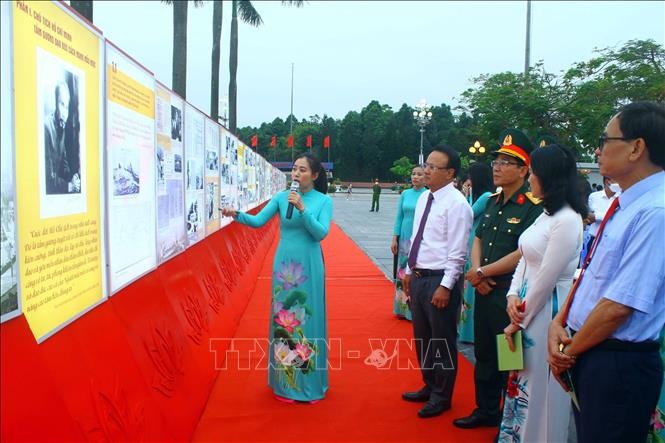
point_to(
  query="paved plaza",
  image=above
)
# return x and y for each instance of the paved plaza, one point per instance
(372, 231)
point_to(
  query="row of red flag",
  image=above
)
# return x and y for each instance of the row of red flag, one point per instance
(289, 142)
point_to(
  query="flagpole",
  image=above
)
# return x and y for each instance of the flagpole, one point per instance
(291, 115)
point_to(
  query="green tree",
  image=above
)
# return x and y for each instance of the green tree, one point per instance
(613, 78)
(531, 103)
(402, 168)
(573, 106)
(216, 48)
(179, 80)
(83, 7)
(249, 15)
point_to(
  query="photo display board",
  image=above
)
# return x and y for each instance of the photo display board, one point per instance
(243, 203)
(212, 137)
(58, 100)
(228, 194)
(130, 171)
(194, 176)
(9, 300)
(169, 125)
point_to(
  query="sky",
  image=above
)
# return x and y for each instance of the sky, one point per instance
(345, 54)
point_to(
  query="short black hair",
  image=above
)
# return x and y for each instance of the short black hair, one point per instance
(554, 165)
(645, 120)
(454, 161)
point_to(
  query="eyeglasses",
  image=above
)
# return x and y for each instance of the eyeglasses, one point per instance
(502, 163)
(604, 139)
(431, 166)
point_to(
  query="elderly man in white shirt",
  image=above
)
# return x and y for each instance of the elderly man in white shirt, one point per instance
(439, 243)
(599, 202)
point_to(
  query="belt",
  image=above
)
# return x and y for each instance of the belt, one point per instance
(613, 344)
(419, 273)
(501, 284)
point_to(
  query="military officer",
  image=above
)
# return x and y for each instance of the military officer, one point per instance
(494, 257)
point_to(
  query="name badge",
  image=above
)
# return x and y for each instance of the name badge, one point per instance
(513, 220)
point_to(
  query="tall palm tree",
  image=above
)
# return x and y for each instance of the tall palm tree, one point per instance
(249, 15)
(179, 82)
(83, 7)
(216, 43)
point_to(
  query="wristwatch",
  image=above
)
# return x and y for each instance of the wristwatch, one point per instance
(479, 272)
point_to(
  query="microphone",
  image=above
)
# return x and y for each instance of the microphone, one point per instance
(294, 188)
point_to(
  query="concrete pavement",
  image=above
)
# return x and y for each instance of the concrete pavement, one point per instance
(372, 231)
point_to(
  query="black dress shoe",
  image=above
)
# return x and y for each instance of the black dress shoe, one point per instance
(476, 420)
(432, 409)
(417, 396)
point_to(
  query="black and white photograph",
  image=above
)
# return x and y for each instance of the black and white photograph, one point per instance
(224, 173)
(160, 165)
(210, 201)
(62, 144)
(193, 176)
(177, 163)
(193, 218)
(8, 264)
(231, 150)
(61, 136)
(176, 123)
(126, 179)
(212, 160)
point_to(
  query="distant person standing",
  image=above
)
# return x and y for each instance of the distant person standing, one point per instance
(401, 243)
(376, 192)
(349, 191)
(599, 202)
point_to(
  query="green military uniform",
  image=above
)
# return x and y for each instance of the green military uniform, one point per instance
(498, 231)
(376, 191)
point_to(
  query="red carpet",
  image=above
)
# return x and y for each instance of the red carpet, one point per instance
(363, 403)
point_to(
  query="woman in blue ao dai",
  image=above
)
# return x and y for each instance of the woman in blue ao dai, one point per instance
(477, 188)
(402, 238)
(298, 350)
(536, 408)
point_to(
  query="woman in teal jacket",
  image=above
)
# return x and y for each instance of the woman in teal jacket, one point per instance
(402, 238)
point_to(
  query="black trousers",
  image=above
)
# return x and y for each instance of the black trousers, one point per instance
(617, 391)
(375, 202)
(435, 331)
(489, 320)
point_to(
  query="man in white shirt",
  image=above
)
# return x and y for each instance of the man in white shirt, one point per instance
(599, 202)
(439, 243)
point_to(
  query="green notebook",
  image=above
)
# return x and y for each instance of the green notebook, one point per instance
(508, 360)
